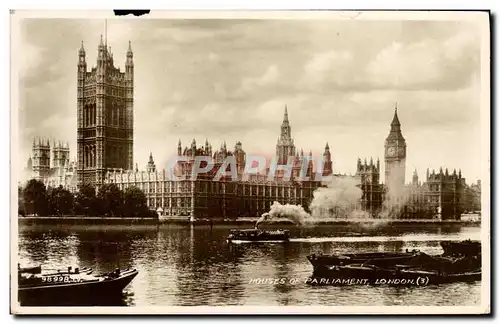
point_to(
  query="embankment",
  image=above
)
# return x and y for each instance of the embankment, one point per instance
(77, 220)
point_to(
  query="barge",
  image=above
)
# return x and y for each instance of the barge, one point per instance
(413, 267)
(467, 247)
(381, 259)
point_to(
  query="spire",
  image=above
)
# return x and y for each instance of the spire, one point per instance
(327, 147)
(395, 120)
(285, 117)
(150, 157)
(129, 62)
(101, 43)
(82, 49)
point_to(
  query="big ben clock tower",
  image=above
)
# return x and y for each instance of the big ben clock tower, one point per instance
(395, 155)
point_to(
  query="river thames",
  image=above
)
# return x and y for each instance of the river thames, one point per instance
(195, 266)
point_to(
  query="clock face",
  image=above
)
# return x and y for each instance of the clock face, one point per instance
(391, 151)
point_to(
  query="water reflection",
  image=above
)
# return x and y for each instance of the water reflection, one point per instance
(194, 266)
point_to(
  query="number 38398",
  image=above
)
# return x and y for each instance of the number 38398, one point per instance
(60, 279)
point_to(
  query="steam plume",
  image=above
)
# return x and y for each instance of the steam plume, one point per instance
(294, 213)
(340, 199)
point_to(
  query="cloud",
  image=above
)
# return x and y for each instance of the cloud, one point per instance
(333, 67)
(269, 77)
(429, 64)
(231, 79)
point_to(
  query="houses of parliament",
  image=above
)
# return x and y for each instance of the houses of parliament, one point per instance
(105, 132)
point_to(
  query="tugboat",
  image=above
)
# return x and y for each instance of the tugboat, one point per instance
(257, 235)
(69, 286)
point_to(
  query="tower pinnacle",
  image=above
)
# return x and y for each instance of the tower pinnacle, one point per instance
(395, 120)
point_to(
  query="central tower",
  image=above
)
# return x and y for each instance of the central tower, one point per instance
(105, 115)
(395, 156)
(285, 147)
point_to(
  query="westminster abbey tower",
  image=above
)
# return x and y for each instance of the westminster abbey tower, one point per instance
(105, 115)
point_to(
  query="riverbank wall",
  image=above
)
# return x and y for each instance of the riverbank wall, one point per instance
(247, 222)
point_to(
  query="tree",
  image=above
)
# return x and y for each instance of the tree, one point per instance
(110, 199)
(134, 202)
(20, 201)
(86, 201)
(35, 198)
(60, 201)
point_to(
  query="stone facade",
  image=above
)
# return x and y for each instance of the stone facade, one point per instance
(105, 115)
(51, 165)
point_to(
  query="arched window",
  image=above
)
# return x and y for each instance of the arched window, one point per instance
(85, 115)
(85, 156)
(117, 116)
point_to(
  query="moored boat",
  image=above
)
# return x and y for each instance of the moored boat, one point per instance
(257, 235)
(372, 275)
(321, 262)
(422, 269)
(467, 247)
(71, 287)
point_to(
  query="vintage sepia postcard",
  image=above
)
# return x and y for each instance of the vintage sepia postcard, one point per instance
(256, 162)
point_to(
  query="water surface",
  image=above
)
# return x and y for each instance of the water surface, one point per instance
(195, 266)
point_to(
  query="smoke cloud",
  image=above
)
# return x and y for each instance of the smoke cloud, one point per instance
(339, 200)
(294, 213)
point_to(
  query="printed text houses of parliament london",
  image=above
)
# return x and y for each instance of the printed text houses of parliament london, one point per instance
(105, 155)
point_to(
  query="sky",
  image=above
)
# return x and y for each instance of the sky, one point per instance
(231, 79)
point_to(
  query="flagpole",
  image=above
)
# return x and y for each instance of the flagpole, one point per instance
(106, 32)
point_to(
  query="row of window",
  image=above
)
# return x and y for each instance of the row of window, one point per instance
(186, 203)
(169, 203)
(149, 187)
